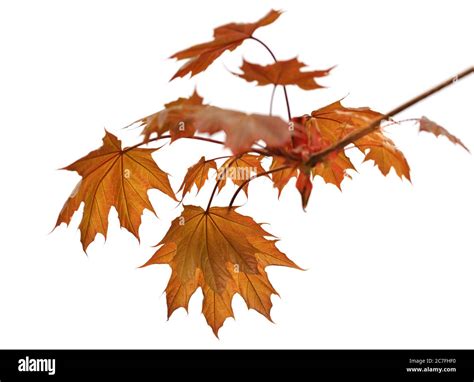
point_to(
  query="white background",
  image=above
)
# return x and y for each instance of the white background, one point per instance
(390, 264)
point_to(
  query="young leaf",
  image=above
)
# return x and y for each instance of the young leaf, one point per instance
(197, 174)
(113, 177)
(282, 73)
(239, 169)
(222, 252)
(304, 186)
(226, 37)
(433, 128)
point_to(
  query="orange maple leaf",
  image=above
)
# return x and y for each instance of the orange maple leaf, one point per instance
(113, 177)
(383, 152)
(222, 252)
(240, 169)
(282, 73)
(281, 178)
(197, 174)
(226, 37)
(335, 121)
(333, 169)
(219, 250)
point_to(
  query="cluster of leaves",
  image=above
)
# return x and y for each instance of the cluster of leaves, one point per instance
(216, 248)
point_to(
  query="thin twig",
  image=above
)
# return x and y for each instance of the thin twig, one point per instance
(374, 125)
(169, 136)
(252, 150)
(271, 100)
(284, 87)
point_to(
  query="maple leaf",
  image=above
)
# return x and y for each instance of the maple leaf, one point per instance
(242, 129)
(335, 121)
(219, 250)
(385, 155)
(433, 128)
(282, 73)
(226, 37)
(256, 290)
(333, 169)
(240, 169)
(281, 178)
(113, 177)
(197, 174)
(224, 253)
(173, 119)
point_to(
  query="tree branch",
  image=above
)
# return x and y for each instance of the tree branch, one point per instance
(373, 126)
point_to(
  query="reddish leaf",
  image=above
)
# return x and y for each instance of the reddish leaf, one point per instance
(226, 37)
(433, 128)
(242, 130)
(304, 186)
(282, 73)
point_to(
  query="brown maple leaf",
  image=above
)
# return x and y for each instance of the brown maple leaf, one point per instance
(381, 149)
(197, 175)
(333, 168)
(282, 73)
(433, 128)
(222, 252)
(281, 178)
(226, 37)
(239, 170)
(113, 177)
